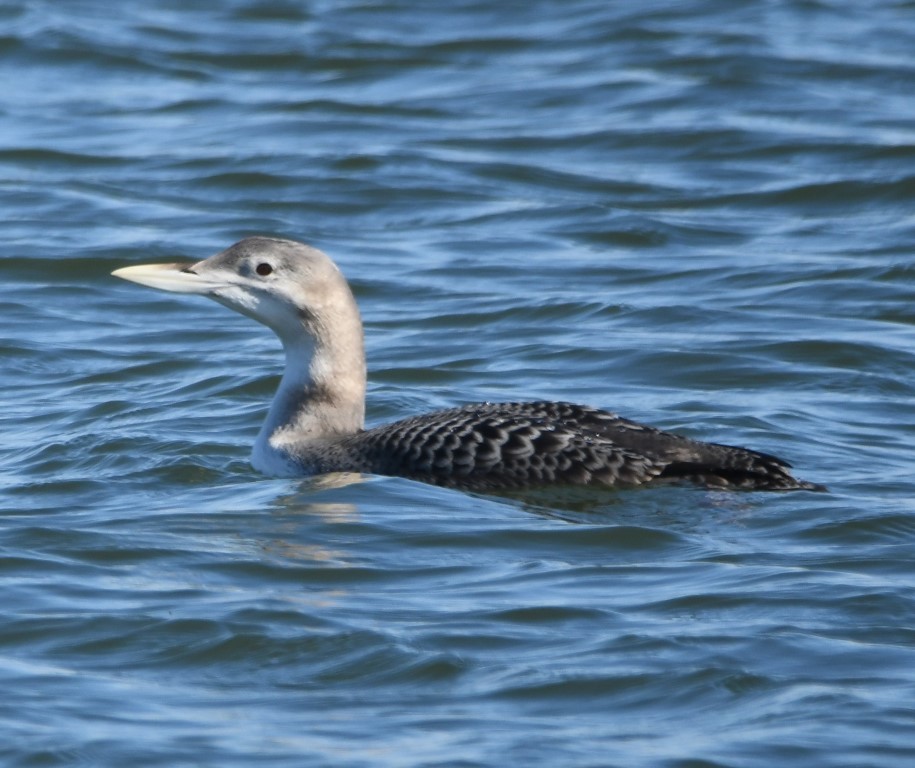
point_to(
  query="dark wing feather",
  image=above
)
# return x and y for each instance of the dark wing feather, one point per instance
(515, 445)
(494, 446)
(710, 464)
(506, 445)
(683, 458)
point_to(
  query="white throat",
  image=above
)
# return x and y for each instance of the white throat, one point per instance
(268, 455)
(316, 401)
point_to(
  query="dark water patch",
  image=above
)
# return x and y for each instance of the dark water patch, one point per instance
(598, 541)
(885, 529)
(547, 614)
(55, 159)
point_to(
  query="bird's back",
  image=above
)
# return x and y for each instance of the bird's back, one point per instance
(504, 446)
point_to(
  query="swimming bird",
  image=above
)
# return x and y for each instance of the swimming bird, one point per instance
(315, 423)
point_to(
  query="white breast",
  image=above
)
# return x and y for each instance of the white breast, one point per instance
(271, 461)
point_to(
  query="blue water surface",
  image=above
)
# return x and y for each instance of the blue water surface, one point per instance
(697, 214)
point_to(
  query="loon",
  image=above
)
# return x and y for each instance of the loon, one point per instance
(316, 422)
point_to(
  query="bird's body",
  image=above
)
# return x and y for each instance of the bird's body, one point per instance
(316, 421)
(505, 446)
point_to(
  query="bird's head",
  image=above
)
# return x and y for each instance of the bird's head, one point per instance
(283, 284)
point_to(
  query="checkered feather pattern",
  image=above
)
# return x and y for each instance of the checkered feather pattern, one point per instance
(504, 446)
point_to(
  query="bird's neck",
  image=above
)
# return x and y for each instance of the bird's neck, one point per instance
(321, 397)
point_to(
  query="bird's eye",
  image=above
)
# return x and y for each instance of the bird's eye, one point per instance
(263, 269)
